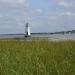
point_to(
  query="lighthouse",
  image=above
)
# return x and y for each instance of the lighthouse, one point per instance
(27, 30)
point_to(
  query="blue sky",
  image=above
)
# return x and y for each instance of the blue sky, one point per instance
(42, 15)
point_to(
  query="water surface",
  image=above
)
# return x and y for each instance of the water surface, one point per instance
(48, 36)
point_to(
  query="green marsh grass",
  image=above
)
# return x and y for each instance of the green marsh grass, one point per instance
(37, 57)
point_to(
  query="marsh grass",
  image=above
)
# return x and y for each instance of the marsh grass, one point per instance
(37, 57)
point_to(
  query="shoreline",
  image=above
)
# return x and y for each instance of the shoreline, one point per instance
(36, 39)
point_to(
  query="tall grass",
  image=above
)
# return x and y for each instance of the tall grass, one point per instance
(37, 58)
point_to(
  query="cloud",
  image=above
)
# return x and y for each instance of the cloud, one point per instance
(66, 4)
(68, 14)
(13, 3)
(15, 13)
(14, 7)
(37, 12)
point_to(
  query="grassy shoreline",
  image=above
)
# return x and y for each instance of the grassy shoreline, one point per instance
(37, 57)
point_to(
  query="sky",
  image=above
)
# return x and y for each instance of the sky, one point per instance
(42, 15)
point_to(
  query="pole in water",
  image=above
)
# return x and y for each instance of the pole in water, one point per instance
(27, 30)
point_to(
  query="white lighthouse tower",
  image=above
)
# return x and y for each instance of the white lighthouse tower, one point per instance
(27, 30)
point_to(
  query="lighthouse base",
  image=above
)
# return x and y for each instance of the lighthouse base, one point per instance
(27, 36)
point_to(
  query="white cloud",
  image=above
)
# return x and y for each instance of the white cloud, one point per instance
(68, 14)
(13, 1)
(37, 12)
(66, 4)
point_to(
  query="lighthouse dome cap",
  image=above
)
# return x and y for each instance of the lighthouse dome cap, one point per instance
(27, 24)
